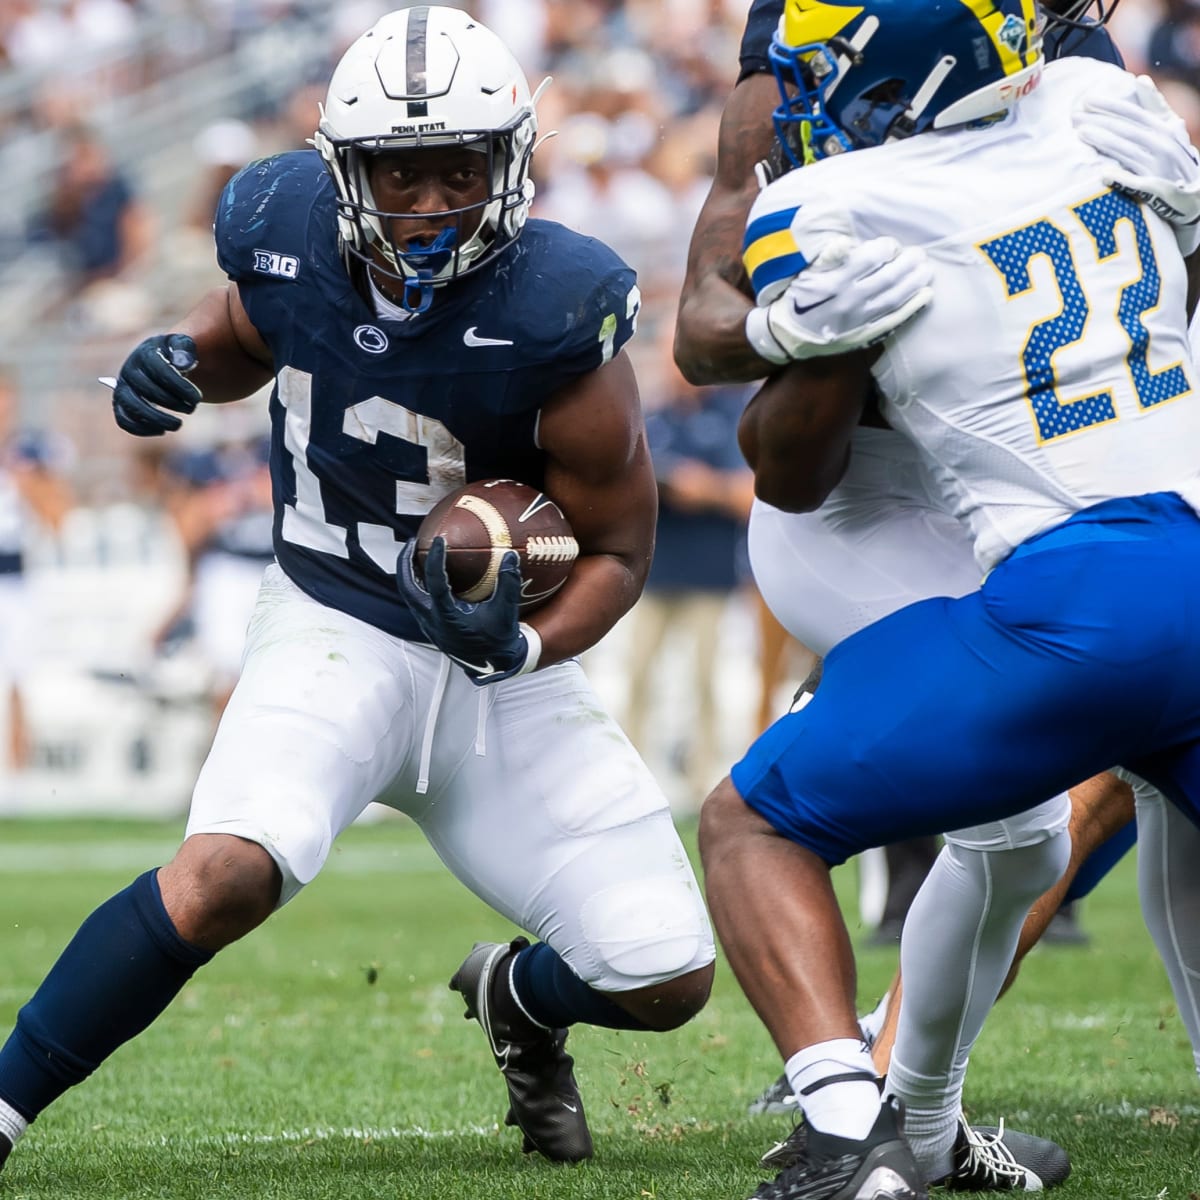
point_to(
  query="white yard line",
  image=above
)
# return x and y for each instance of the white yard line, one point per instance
(321, 1133)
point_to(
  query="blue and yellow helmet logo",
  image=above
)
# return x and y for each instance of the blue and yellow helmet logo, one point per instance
(806, 22)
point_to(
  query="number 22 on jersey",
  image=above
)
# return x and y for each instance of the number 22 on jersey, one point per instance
(1012, 255)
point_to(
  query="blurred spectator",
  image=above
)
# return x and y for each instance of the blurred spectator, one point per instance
(220, 150)
(602, 189)
(705, 491)
(219, 498)
(1174, 45)
(300, 116)
(74, 51)
(93, 217)
(1185, 100)
(521, 25)
(33, 497)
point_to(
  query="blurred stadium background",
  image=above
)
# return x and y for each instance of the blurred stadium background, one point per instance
(119, 121)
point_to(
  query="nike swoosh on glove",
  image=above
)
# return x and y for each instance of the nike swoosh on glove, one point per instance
(485, 639)
(153, 379)
(850, 296)
(1150, 156)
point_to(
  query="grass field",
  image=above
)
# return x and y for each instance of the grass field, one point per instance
(324, 1056)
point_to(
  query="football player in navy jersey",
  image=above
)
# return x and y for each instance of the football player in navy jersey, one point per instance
(875, 546)
(421, 334)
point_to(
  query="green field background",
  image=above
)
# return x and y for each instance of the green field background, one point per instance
(325, 1057)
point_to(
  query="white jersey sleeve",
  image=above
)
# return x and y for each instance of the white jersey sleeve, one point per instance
(1052, 369)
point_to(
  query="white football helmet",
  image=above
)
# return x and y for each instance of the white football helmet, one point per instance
(420, 77)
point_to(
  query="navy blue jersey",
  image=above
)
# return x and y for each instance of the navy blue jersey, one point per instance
(374, 420)
(763, 19)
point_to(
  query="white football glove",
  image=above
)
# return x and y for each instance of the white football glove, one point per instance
(1155, 161)
(851, 295)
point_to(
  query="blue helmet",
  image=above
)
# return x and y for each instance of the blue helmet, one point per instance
(853, 75)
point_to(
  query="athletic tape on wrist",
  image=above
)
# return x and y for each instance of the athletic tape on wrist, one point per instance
(534, 641)
(763, 342)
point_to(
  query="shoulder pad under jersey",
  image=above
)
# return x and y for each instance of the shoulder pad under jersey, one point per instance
(578, 299)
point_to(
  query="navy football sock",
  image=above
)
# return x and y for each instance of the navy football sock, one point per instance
(123, 967)
(553, 995)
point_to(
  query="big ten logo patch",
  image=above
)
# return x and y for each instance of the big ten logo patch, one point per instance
(270, 262)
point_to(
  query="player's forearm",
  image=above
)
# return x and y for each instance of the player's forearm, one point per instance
(795, 433)
(231, 360)
(710, 335)
(601, 589)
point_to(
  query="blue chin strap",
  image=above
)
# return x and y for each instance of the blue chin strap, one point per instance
(426, 262)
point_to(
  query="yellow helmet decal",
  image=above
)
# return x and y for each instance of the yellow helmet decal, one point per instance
(999, 29)
(808, 21)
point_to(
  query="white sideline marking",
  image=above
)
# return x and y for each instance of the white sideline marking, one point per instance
(396, 1133)
(32, 858)
(349, 1133)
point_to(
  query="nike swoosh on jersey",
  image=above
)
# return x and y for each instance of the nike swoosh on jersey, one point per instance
(471, 338)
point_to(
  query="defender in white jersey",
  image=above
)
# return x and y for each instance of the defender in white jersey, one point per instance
(1050, 232)
(880, 541)
(916, 717)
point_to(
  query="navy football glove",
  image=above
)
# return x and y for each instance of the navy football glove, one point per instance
(152, 378)
(485, 639)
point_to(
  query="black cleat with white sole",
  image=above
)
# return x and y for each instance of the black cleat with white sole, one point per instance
(544, 1100)
(791, 1150)
(1004, 1160)
(879, 1167)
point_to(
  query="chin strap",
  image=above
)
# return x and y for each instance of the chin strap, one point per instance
(424, 262)
(418, 293)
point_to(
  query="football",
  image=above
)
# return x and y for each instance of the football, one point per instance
(482, 521)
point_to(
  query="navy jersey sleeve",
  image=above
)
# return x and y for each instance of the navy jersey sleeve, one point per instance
(582, 300)
(761, 23)
(263, 216)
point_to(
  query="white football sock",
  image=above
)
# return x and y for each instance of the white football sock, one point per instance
(847, 1108)
(12, 1124)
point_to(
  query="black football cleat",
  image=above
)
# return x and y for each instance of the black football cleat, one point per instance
(544, 1100)
(1004, 1160)
(791, 1150)
(5, 1149)
(879, 1167)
